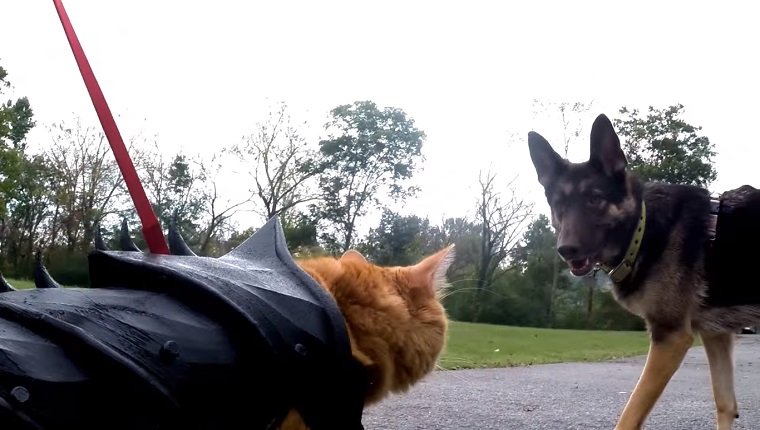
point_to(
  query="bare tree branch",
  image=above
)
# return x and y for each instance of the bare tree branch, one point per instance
(282, 164)
(501, 220)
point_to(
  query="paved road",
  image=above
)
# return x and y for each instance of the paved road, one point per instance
(567, 396)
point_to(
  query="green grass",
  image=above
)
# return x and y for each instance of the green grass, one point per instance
(482, 345)
(25, 284)
(21, 284)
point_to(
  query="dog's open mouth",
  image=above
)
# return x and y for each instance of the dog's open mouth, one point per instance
(580, 267)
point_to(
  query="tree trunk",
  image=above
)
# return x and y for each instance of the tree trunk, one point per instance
(590, 303)
(552, 291)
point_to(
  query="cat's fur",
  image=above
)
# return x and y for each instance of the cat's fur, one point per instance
(396, 322)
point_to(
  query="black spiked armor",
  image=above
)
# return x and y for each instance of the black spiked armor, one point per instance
(178, 342)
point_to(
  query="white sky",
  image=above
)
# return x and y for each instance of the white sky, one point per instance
(199, 74)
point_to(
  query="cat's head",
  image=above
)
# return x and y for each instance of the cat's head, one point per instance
(396, 321)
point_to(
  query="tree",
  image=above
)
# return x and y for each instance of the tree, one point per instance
(283, 164)
(501, 220)
(300, 232)
(16, 120)
(536, 258)
(401, 240)
(187, 190)
(370, 154)
(175, 185)
(570, 115)
(88, 184)
(219, 207)
(11, 162)
(16, 117)
(28, 209)
(465, 235)
(664, 147)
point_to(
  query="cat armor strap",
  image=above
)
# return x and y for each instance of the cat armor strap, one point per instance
(178, 342)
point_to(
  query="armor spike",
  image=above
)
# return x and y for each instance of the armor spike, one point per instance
(125, 240)
(177, 243)
(5, 286)
(100, 245)
(261, 244)
(42, 278)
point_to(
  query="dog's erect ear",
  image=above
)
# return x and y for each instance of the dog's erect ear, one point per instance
(545, 159)
(605, 147)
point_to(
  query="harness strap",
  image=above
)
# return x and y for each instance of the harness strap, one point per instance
(712, 225)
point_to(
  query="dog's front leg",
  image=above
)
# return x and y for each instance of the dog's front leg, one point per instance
(719, 348)
(665, 356)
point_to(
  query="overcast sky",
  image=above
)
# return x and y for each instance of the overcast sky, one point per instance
(199, 74)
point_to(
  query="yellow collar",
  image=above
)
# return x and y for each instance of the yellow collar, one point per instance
(625, 267)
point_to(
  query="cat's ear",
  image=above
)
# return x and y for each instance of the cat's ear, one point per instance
(432, 270)
(353, 255)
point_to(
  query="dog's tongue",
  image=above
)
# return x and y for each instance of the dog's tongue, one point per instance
(580, 267)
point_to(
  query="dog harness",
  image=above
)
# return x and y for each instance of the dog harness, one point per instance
(712, 225)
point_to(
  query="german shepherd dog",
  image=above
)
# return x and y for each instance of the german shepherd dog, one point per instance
(676, 256)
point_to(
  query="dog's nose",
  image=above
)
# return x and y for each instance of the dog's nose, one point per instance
(568, 252)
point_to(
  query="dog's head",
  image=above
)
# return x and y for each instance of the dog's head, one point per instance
(591, 202)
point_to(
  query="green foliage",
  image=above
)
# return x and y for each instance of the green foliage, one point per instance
(28, 207)
(370, 154)
(11, 166)
(401, 240)
(664, 147)
(16, 120)
(483, 345)
(16, 117)
(173, 185)
(66, 267)
(538, 244)
(238, 237)
(23, 182)
(181, 198)
(465, 235)
(301, 234)
(609, 315)
(537, 291)
(513, 300)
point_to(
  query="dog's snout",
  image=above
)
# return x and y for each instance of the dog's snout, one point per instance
(568, 252)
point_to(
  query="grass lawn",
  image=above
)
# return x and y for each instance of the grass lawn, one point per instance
(25, 284)
(482, 345)
(21, 284)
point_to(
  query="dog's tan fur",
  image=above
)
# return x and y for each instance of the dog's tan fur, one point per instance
(683, 282)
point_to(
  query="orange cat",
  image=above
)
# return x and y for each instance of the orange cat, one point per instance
(396, 323)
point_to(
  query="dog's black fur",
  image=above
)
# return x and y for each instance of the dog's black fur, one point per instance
(668, 205)
(734, 254)
(682, 281)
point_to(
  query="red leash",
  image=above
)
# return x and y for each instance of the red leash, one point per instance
(154, 237)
